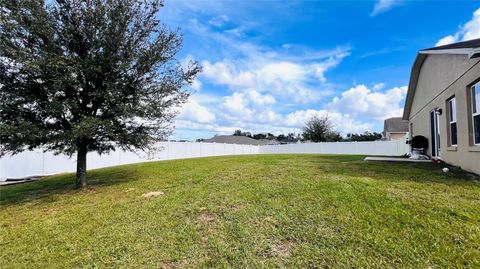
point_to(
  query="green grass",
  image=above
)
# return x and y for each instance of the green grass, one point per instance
(259, 211)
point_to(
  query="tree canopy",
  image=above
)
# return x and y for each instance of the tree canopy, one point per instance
(320, 129)
(80, 76)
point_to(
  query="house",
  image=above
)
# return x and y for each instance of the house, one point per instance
(443, 102)
(395, 128)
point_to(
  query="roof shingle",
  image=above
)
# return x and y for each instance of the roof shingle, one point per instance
(469, 44)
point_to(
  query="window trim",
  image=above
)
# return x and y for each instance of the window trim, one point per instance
(452, 111)
(473, 103)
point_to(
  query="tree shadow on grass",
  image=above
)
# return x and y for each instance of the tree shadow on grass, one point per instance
(355, 166)
(46, 187)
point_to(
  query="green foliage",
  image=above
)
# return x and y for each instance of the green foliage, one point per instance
(240, 133)
(259, 136)
(258, 211)
(366, 136)
(96, 75)
(291, 137)
(320, 129)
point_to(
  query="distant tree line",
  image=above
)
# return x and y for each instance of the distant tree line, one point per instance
(366, 136)
(317, 129)
(281, 138)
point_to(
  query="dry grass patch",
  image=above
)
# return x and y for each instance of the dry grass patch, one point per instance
(283, 249)
(153, 194)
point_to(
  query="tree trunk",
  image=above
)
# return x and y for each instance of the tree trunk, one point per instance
(81, 177)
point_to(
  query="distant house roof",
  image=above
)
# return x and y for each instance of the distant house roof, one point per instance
(268, 142)
(395, 125)
(471, 48)
(232, 139)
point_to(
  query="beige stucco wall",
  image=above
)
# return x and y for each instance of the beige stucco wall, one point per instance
(441, 77)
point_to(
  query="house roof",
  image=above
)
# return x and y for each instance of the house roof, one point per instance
(395, 125)
(269, 142)
(470, 48)
(232, 139)
(474, 43)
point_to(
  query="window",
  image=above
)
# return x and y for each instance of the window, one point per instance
(475, 97)
(452, 120)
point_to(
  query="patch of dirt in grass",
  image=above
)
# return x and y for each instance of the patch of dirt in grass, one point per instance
(205, 218)
(153, 194)
(207, 226)
(270, 219)
(282, 250)
(186, 263)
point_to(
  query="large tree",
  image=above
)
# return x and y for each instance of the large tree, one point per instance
(320, 129)
(93, 75)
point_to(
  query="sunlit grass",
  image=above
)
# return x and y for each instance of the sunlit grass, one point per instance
(299, 211)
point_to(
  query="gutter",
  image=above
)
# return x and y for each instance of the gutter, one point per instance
(475, 53)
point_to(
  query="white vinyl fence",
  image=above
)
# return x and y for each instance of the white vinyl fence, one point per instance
(386, 148)
(36, 163)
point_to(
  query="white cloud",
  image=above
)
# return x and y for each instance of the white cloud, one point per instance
(378, 86)
(269, 87)
(289, 79)
(292, 73)
(238, 31)
(260, 99)
(196, 84)
(361, 101)
(244, 110)
(319, 69)
(225, 73)
(211, 128)
(237, 106)
(246, 105)
(449, 39)
(356, 110)
(283, 70)
(195, 112)
(468, 31)
(383, 6)
(218, 21)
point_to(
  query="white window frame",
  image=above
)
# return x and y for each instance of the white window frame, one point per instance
(452, 111)
(473, 102)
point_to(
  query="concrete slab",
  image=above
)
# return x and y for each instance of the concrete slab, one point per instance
(396, 159)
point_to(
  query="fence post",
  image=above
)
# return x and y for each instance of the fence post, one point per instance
(43, 163)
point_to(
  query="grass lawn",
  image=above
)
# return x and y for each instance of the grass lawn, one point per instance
(298, 211)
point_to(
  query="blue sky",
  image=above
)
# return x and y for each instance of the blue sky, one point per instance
(268, 66)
